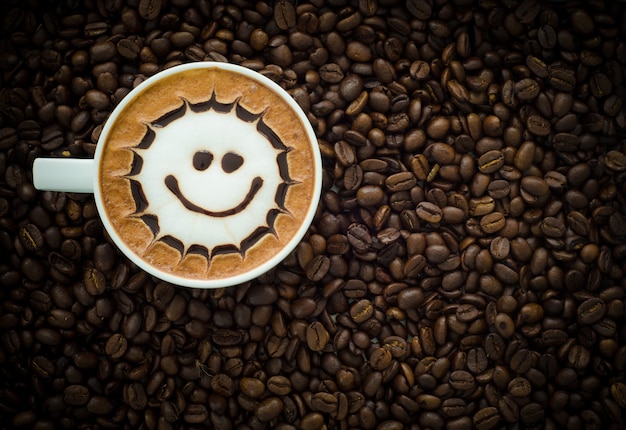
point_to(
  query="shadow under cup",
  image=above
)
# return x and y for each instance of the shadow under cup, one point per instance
(208, 175)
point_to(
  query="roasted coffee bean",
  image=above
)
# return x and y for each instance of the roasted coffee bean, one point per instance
(361, 311)
(538, 125)
(532, 413)
(31, 238)
(508, 408)
(615, 161)
(149, 9)
(491, 161)
(462, 380)
(317, 336)
(492, 222)
(527, 89)
(95, 282)
(42, 366)
(359, 237)
(486, 418)
(318, 268)
(420, 10)
(76, 395)
(279, 385)
(195, 414)
(591, 310)
(429, 212)
(324, 402)
(116, 346)
(553, 227)
(401, 181)
(420, 166)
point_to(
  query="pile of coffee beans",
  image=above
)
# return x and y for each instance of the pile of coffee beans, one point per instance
(465, 268)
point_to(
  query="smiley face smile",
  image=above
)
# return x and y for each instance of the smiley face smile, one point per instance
(172, 184)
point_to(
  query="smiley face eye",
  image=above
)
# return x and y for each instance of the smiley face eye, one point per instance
(202, 160)
(231, 162)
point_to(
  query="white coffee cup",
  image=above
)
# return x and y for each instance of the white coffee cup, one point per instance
(205, 175)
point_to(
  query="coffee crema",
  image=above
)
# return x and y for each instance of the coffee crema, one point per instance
(206, 174)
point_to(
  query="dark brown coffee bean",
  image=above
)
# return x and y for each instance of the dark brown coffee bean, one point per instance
(420, 166)
(284, 15)
(380, 358)
(537, 66)
(527, 89)
(269, 408)
(538, 125)
(499, 189)
(129, 48)
(486, 418)
(582, 22)
(401, 181)
(370, 195)
(60, 318)
(42, 366)
(116, 346)
(527, 11)
(458, 91)
(493, 222)
(615, 161)
(477, 360)
(591, 311)
(76, 395)
(491, 161)
(359, 237)
(429, 212)
(324, 402)
(618, 391)
(410, 298)
(31, 238)
(384, 71)
(149, 9)
(462, 380)
(101, 52)
(195, 414)
(421, 10)
(331, 73)
(562, 80)
(504, 325)
(361, 311)
(519, 387)
(317, 336)
(8, 138)
(95, 281)
(553, 227)
(521, 361)
(532, 413)
(508, 408)
(312, 421)
(47, 336)
(353, 177)
(279, 385)
(318, 268)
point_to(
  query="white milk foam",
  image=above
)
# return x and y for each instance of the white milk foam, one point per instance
(213, 189)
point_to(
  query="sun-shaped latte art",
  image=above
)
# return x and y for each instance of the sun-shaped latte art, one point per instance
(209, 175)
(209, 178)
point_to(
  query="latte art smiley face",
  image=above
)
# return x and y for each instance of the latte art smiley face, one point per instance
(208, 175)
(224, 185)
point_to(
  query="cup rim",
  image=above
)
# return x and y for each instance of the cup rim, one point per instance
(316, 170)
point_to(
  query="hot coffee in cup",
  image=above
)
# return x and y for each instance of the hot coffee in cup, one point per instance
(206, 175)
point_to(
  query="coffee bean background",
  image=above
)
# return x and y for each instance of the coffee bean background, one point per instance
(465, 268)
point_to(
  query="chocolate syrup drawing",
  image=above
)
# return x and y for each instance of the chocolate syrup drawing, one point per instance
(210, 193)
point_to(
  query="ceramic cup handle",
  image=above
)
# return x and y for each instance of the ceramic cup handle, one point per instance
(64, 174)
